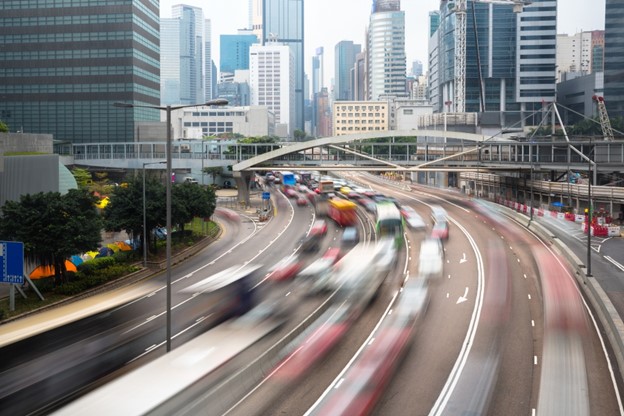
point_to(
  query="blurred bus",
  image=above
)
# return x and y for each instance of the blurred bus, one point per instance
(342, 211)
(287, 178)
(389, 222)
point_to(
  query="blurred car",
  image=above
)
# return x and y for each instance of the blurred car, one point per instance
(369, 205)
(316, 276)
(350, 237)
(290, 192)
(333, 253)
(412, 218)
(440, 230)
(286, 269)
(345, 190)
(302, 188)
(431, 258)
(319, 228)
(438, 213)
(311, 243)
(302, 201)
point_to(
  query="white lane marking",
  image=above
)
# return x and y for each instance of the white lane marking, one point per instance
(615, 263)
(529, 296)
(535, 359)
(532, 322)
(463, 259)
(463, 299)
(339, 383)
(447, 391)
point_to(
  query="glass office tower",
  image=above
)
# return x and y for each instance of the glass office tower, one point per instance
(283, 23)
(235, 51)
(614, 58)
(62, 67)
(345, 53)
(387, 63)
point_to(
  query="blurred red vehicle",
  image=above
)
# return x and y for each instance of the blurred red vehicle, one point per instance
(440, 230)
(318, 228)
(286, 269)
(333, 253)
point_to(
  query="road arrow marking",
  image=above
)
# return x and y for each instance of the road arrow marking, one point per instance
(463, 298)
(463, 259)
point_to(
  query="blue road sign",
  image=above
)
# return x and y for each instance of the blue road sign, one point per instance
(266, 195)
(11, 262)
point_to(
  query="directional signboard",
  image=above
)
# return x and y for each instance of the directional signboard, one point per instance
(11, 262)
(266, 195)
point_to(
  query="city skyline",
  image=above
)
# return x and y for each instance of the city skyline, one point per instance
(228, 17)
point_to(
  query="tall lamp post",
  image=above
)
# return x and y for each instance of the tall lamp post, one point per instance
(169, 109)
(144, 213)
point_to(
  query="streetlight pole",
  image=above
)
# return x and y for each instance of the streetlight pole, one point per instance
(589, 210)
(169, 109)
(144, 214)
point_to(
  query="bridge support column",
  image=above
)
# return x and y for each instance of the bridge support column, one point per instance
(242, 184)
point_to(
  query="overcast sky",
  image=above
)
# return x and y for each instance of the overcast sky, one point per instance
(327, 22)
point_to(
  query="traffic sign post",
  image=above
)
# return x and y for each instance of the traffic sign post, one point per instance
(12, 262)
(12, 267)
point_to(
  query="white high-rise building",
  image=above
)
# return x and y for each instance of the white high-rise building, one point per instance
(536, 54)
(574, 54)
(387, 65)
(271, 79)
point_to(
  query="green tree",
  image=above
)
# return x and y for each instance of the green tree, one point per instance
(213, 171)
(300, 135)
(53, 227)
(3, 127)
(125, 210)
(189, 201)
(83, 177)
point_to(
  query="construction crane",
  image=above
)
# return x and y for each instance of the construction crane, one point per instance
(605, 123)
(460, 44)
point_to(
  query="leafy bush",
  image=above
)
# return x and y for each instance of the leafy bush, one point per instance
(88, 267)
(95, 277)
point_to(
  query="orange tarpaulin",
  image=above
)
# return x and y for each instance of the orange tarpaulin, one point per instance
(45, 271)
(123, 246)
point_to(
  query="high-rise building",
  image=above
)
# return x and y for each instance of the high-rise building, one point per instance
(235, 51)
(536, 60)
(386, 50)
(597, 51)
(510, 58)
(317, 84)
(359, 77)
(210, 74)
(580, 54)
(62, 67)
(255, 13)
(614, 57)
(282, 22)
(573, 54)
(182, 56)
(417, 69)
(434, 22)
(272, 75)
(344, 59)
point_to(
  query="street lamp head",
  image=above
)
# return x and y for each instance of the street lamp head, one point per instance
(218, 101)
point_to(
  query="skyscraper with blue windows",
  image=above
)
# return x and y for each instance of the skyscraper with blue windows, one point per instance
(510, 58)
(614, 58)
(235, 51)
(62, 67)
(282, 22)
(345, 53)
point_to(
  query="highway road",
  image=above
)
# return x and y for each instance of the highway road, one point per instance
(485, 333)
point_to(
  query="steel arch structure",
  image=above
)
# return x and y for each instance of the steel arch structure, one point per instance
(249, 164)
